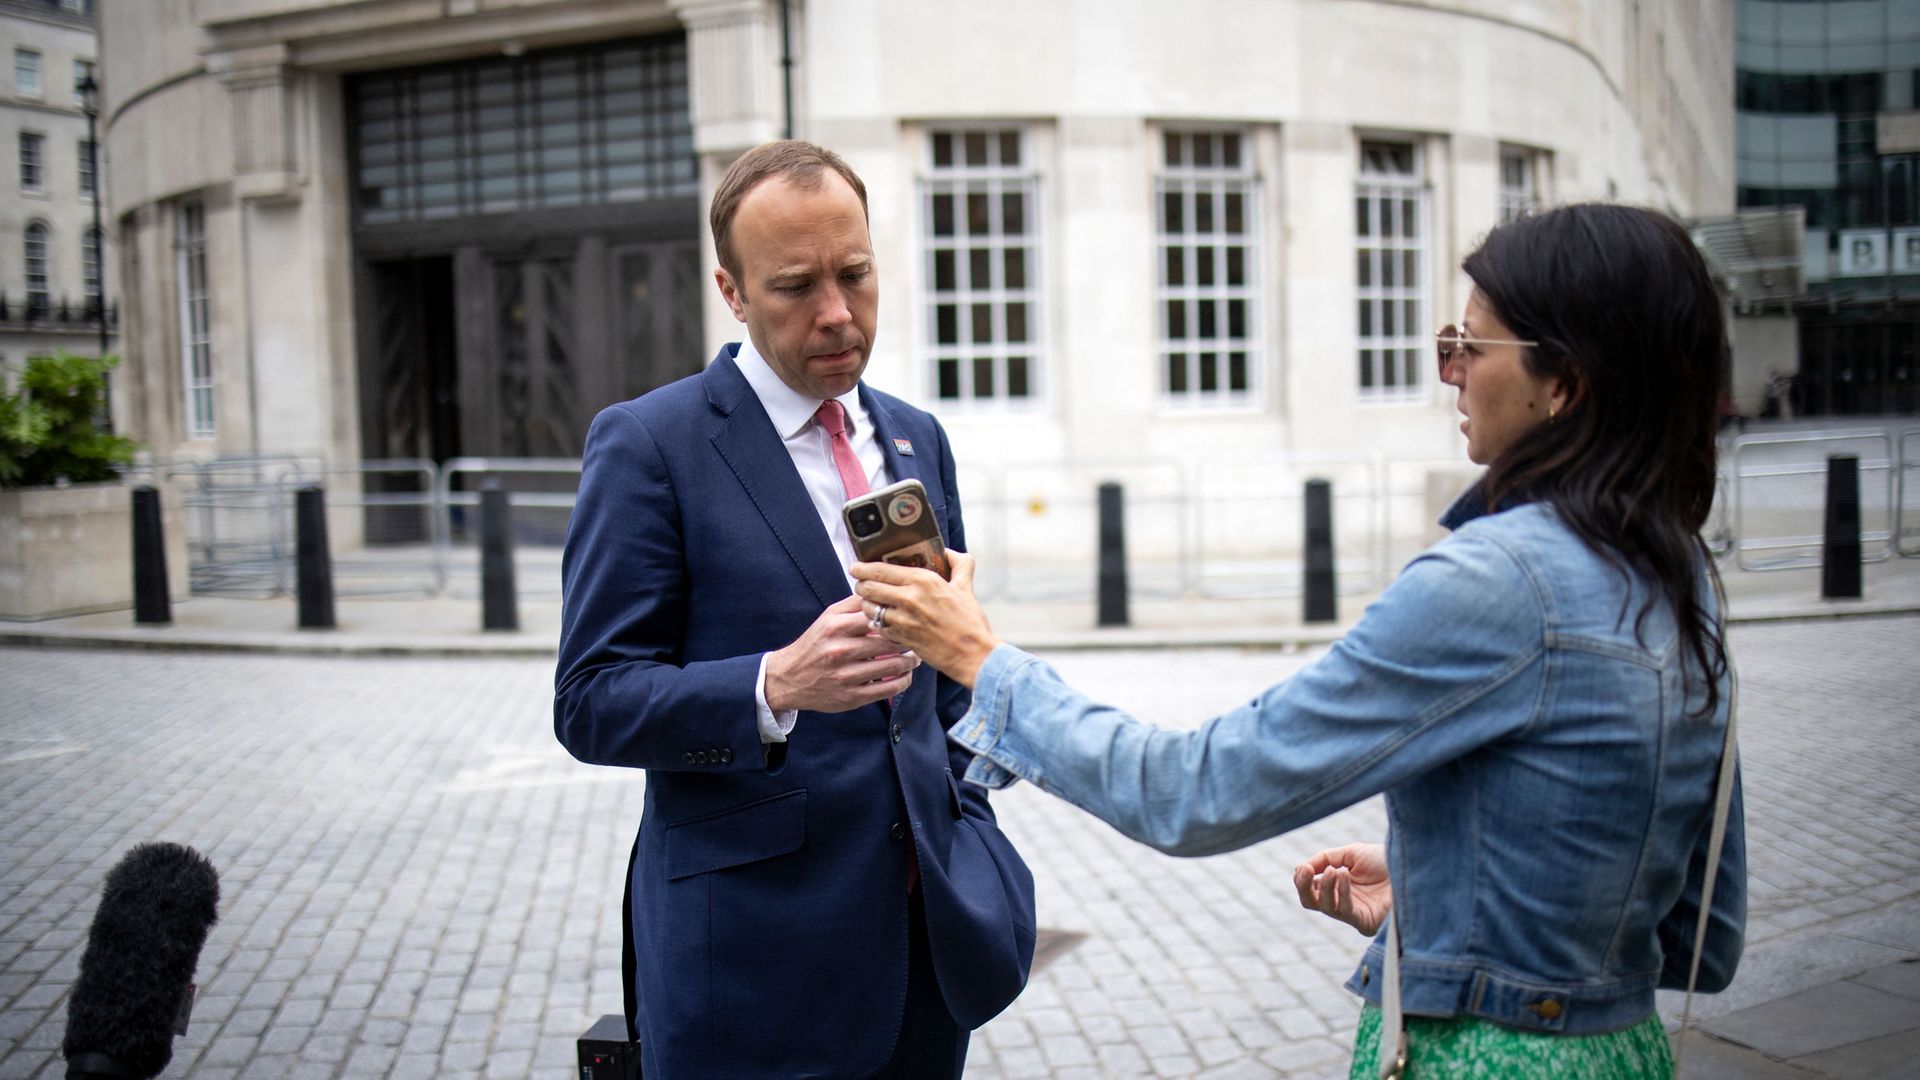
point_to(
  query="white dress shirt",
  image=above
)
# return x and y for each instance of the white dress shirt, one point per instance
(808, 445)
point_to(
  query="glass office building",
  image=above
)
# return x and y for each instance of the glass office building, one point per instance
(1827, 94)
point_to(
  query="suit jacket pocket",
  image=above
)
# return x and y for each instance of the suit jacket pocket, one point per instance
(735, 837)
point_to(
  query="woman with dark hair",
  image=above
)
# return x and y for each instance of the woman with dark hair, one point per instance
(1543, 696)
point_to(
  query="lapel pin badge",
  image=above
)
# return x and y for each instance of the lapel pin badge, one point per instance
(904, 447)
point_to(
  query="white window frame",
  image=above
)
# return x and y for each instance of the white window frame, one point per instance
(1394, 344)
(36, 242)
(196, 335)
(82, 71)
(33, 160)
(90, 267)
(26, 72)
(968, 352)
(86, 173)
(1207, 187)
(1519, 182)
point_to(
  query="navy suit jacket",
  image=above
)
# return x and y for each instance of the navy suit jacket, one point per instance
(767, 887)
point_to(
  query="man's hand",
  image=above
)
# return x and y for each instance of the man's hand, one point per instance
(1347, 883)
(838, 664)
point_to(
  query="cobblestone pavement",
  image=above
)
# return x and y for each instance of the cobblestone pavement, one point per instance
(418, 882)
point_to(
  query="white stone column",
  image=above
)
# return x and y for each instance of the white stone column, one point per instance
(735, 89)
(266, 145)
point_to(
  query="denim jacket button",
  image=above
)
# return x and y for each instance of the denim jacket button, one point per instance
(1545, 1010)
(1366, 974)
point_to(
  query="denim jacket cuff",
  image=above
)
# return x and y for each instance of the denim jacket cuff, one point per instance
(985, 722)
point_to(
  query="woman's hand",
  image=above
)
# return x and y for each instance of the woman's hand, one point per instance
(1347, 883)
(940, 621)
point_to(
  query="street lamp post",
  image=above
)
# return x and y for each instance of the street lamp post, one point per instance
(89, 92)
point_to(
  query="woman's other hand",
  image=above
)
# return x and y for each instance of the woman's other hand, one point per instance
(1347, 883)
(940, 621)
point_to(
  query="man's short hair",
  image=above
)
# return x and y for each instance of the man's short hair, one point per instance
(801, 162)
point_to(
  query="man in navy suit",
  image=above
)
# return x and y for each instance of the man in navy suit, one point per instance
(811, 892)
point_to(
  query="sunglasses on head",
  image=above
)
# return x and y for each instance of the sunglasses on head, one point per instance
(1452, 345)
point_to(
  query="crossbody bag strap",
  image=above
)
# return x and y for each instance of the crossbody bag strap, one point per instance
(1717, 832)
(1393, 1026)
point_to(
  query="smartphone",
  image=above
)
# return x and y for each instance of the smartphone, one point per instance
(895, 524)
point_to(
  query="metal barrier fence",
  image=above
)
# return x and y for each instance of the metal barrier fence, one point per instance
(1909, 463)
(1229, 530)
(541, 493)
(1222, 529)
(239, 529)
(1779, 500)
(382, 516)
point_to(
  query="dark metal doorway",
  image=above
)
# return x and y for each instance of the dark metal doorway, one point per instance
(526, 234)
(490, 354)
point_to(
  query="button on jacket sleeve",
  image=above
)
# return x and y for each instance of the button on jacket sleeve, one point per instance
(1448, 659)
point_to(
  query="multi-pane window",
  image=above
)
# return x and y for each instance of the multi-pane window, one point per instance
(33, 151)
(82, 75)
(1206, 203)
(38, 296)
(1390, 208)
(196, 337)
(26, 72)
(1518, 197)
(90, 268)
(982, 242)
(86, 166)
(574, 127)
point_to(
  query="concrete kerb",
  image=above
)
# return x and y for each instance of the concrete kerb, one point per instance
(451, 627)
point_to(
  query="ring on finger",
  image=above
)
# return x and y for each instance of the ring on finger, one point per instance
(878, 620)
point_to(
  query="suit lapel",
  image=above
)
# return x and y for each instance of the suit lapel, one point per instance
(746, 440)
(886, 429)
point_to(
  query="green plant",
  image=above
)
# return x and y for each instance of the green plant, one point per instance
(49, 429)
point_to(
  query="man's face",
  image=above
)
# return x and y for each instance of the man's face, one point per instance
(807, 289)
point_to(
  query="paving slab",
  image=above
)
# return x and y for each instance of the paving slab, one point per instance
(1703, 1057)
(1892, 1057)
(1822, 1018)
(1902, 979)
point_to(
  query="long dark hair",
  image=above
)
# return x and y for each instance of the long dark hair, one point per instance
(1627, 316)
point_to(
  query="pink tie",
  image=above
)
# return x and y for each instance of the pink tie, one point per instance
(832, 417)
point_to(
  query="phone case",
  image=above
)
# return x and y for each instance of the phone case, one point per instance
(895, 524)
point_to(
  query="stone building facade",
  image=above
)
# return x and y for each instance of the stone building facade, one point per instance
(50, 284)
(1167, 243)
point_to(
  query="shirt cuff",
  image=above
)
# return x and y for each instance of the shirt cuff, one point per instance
(774, 727)
(985, 722)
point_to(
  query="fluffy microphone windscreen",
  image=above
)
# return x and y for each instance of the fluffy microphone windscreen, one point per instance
(156, 907)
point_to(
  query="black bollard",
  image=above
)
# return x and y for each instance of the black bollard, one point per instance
(1840, 554)
(1320, 603)
(498, 605)
(1113, 558)
(315, 565)
(151, 604)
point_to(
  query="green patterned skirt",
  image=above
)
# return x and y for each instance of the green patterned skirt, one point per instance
(1468, 1046)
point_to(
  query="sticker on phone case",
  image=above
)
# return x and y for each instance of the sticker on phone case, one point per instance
(904, 510)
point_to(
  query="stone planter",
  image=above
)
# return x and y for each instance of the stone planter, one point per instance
(68, 551)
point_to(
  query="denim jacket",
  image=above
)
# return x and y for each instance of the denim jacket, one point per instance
(1548, 792)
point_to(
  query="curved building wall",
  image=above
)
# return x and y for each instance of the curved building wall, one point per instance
(1612, 99)
(1060, 348)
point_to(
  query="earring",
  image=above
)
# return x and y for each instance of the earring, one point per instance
(1551, 412)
